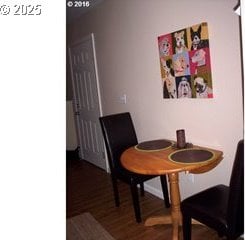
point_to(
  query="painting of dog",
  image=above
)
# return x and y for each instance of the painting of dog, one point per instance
(199, 57)
(184, 88)
(181, 64)
(197, 41)
(202, 88)
(169, 79)
(169, 88)
(180, 42)
(165, 45)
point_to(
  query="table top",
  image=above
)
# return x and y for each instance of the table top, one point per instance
(159, 162)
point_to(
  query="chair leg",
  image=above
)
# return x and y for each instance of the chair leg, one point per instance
(135, 198)
(186, 227)
(142, 189)
(165, 190)
(115, 190)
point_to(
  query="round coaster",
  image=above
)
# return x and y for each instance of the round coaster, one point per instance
(154, 145)
(191, 156)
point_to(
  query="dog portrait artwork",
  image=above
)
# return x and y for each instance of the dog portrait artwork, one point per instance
(199, 57)
(184, 88)
(202, 88)
(181, 64)
(185, 63)
(196, 39)
(199, 61)
(168, 79)
(165, 45)
(180, 42)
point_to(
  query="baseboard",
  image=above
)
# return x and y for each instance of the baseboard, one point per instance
(72, 154)
(153, 191)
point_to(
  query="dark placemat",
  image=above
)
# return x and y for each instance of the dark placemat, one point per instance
(154, 145)
(191, 156)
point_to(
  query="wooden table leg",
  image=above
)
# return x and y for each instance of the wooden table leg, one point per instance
(176, 217)
(175, 204)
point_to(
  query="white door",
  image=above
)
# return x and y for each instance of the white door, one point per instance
(86, 100)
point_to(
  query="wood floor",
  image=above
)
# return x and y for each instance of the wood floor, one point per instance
(89, 190)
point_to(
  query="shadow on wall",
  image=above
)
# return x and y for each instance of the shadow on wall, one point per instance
(71, 138)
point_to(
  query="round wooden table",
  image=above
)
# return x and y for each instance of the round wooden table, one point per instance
(158, 163)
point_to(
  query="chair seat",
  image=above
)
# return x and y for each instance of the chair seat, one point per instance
(209, 206)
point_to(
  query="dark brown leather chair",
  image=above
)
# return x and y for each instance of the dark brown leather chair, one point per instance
(220, 207)
(119, 134)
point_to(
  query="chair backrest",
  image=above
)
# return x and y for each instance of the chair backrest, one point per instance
(235, 211)
(119, 134)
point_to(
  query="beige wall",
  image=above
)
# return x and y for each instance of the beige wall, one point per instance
(128, 63)
(71, 138)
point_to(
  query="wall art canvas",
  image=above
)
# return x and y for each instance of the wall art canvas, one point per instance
(185, 63)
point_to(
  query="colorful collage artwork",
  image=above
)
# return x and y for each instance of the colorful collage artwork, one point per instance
(185, 63)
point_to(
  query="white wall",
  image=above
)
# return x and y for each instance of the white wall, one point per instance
(128, 62)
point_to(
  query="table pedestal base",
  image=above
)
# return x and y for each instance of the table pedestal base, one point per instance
(158, 220)
(176, 217)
